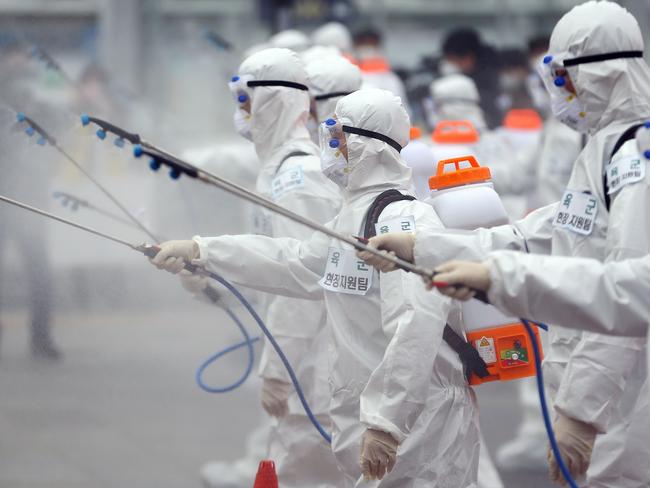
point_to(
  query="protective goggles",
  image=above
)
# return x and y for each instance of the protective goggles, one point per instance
(335, 131)
(240, 86)
(558, 64)
(327, 96)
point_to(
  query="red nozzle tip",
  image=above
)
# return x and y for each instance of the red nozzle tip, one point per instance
(440, 284)
(266, 476)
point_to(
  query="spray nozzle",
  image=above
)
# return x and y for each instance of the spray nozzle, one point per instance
(160, 158)
(108, 128)
(119, 142)
(70, 201)
(32, 128)
(217, 41)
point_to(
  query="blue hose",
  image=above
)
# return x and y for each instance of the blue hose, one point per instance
(249, 367)
(276, 346)
(542, 401)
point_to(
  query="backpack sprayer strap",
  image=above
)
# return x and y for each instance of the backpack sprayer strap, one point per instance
(292, 154)
(469, 356)
(472, 361)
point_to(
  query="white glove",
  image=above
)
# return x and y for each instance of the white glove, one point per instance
(467, 276)
(378, 454)
(275, 396)
(398, 244)
(174, 254)
(193, 282)
(576, 442)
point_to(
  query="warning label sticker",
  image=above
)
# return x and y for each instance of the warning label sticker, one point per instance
(485, 348)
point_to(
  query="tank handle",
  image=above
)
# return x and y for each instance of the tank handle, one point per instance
(456, 162)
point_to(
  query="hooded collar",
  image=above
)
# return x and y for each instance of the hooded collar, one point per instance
(613, 91)
(278, 113)
(376, 165)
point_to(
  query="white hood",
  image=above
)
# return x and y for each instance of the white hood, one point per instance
(328, 76)
(455, 97)
(375, 163)
(615, 90)
(290, 39)
(278, 114)
(333, 34)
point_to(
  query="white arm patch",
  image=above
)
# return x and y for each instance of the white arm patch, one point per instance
(287, 180)
(399, 224)
(624, 170)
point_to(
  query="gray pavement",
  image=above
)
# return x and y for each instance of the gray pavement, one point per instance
(122, 408)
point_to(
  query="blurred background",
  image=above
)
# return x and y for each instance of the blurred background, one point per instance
(98, 349)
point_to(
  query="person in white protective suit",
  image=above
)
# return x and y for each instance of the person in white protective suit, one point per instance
(399, 398)
(538, 180)
(333, 34)
(375, 68)
(455, 97)
(545, 288)
(598, 84)
(330, 79)
(290, 39)
(271, 88)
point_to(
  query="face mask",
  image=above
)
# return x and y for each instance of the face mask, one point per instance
(242, 122)
(333, 163)
(569, 110)
(566, 106)
(510, 82)
(447, 68)
(367, 52)
(538, 94)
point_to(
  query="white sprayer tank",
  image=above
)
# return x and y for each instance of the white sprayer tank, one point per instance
(463, 197)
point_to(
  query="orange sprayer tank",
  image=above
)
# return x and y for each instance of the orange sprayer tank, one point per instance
(464, 199)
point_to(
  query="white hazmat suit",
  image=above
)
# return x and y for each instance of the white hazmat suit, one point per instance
(291, 176)
(389, 368)
(588, 373)
(524, 285)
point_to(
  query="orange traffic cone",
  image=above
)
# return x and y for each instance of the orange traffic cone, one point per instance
(266, 477)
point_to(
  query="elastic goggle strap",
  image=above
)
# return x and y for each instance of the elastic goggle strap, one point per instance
(326, 96)
(288, 84)
(373, 135)
(595, 58)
